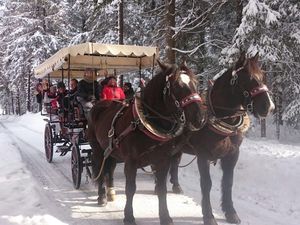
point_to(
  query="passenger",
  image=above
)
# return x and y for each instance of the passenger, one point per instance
(57, 101)
(50, 98)
(88, 91)
(39, 94)
(102, 84)
(61, 93)
(45, 85)
(128, 90)
(68, 100)
(111, 91)
(52, 93)
(73, 86)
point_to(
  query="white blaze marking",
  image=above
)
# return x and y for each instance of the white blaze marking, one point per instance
(185, 79)
(272, 106)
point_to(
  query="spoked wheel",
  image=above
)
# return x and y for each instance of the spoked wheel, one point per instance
(76, 164)
(48, 143)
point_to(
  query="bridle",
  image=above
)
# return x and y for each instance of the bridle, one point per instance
(182, 103)
(249, 95)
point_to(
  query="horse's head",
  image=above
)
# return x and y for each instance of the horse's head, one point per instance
(180, 95)
(248, 78)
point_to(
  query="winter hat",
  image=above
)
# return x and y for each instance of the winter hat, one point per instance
(61, 85)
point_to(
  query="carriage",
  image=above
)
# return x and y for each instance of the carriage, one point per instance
(175, 111)
(66, 126)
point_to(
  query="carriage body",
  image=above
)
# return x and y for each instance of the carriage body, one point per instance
(66, 126)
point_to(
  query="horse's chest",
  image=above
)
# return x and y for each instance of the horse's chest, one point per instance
(221, 148)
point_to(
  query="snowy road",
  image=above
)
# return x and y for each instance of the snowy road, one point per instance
(34, 192)
(51, 193)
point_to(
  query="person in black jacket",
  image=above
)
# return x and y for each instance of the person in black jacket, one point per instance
(73, 86)
(128, 90)
(87, 91)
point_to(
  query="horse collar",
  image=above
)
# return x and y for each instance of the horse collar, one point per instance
(226, 129)
(149, 129)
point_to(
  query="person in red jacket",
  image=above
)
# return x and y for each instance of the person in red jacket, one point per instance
(111, 91)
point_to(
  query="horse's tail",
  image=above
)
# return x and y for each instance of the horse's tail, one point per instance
(98, 160)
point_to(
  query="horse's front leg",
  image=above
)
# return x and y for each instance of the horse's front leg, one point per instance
(109, 169)
(161, 188)
(130, 188)
(205, 183)
(175, 160)
(228, 163)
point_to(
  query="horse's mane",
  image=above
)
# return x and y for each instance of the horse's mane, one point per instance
(159, 80)
(251, 66)
(255, 70)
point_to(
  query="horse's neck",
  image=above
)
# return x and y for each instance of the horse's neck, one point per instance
(223, 99)
(158, 114)
(153, 96)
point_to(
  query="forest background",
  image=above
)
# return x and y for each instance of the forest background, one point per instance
(209, 34)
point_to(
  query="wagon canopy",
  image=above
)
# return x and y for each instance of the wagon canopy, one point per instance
(114, 59)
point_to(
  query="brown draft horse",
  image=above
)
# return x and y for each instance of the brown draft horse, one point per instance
(170, 103)
(238, 88)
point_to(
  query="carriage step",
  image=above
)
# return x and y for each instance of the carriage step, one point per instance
(86, 150)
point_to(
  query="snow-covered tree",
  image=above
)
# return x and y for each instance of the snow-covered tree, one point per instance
(29, 34)
(272, 29)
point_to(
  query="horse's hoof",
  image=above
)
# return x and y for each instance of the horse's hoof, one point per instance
(210, 221)
(111, 194)
(168, 221)
(177, 189)
(102, 201)
(129, 222)
(155, 190)
(232, 218)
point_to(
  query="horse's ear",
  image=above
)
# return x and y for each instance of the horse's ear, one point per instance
(166, 68)
(183, 65)
(161, 65)
(255, 58)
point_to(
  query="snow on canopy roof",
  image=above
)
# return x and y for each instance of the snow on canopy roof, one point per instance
(102, 58)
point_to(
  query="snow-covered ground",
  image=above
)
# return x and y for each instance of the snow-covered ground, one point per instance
(34, 192)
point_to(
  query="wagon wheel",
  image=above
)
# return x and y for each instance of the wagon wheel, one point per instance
(48, 143)
(76, 165)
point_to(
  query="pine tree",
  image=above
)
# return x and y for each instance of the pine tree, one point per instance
(30, 34)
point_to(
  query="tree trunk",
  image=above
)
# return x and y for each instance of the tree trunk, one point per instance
(12, 103)
(263, 121)
(277, 90)
(263, 128)
(121, 22)
(170, 22)
(239, 11)
(28, 93)
(18, 109)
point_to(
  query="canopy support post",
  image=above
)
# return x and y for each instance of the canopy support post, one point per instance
(69, 76)
(140, 72)
(153, 62)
